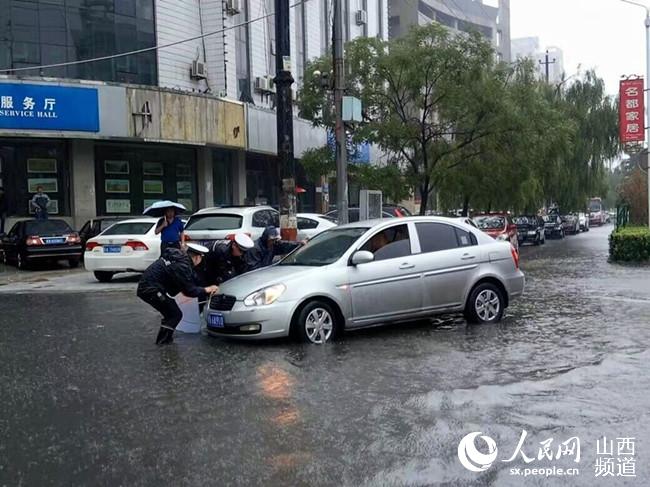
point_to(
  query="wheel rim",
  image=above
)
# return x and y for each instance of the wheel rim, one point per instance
(319, 326)
(19, 261)
(487, 305)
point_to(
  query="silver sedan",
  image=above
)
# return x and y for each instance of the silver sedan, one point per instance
(368, 273)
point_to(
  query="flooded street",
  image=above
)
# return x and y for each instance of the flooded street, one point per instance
(88, 399)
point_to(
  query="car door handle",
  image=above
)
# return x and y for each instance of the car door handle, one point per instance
(467, 257)
(406, 265)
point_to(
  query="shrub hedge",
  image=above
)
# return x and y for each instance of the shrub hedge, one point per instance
(630, 244)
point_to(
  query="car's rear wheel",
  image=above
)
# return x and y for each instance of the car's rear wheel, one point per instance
(315, 323)
(485, 304)
(103, 276)
(73, 263)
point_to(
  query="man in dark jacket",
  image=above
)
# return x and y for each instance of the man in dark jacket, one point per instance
(226, 259)
(267, 247)
(3, 209)
(171, 274)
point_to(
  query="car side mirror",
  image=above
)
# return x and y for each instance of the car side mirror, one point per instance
(362, 257)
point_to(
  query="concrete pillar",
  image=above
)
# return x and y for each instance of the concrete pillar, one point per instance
(205, 177)
(84, 201)
(239, 178)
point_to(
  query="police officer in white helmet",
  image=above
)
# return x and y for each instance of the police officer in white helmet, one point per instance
(166, 277)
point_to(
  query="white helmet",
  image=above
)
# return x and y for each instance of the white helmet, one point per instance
(243, 241)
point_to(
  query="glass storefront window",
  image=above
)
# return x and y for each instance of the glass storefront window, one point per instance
(26, 165)
(129, 178)
(222, 163)
(49, 32)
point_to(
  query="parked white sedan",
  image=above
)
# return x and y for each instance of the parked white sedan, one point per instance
(311, 224)
(128, 246)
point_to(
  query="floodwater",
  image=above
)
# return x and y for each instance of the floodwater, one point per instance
(86, 398)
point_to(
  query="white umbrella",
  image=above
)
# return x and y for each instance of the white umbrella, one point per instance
(159, 207)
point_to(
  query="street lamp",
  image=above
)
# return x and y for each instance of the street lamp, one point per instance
(647, 91)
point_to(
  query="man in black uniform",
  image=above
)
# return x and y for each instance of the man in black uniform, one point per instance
(226, 259)
(267, 247)
(171, 274)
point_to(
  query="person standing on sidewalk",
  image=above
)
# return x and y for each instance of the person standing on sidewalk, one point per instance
(171, 274)
(170, 227)
(39, 203)
(3, 209)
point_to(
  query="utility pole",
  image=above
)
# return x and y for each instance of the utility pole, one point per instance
(284, 115)
(341, 139)
(546, 64)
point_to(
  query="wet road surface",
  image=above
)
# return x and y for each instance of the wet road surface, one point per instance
(86, 398)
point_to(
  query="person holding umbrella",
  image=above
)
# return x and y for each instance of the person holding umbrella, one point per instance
(169, 227)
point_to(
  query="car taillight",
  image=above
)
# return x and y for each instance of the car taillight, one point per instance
(73, 238)
(34, 240)
(515, 255)
(92, 245)
(136, 245)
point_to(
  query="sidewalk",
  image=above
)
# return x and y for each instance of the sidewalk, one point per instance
(13, 281)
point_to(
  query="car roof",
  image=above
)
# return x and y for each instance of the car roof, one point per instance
(236, 210)
(387, 222)
(311, 215)
(139, 220)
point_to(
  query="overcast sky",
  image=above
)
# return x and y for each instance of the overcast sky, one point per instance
(608, 35)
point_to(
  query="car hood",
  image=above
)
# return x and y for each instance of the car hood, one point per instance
(242, 286)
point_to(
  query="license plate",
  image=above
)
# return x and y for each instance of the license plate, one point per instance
(112, 249)
(54, 241)
(215, 320)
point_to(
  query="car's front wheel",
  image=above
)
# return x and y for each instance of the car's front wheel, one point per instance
(103, 276)
(485, 304)
(21, 261)
(315, 323)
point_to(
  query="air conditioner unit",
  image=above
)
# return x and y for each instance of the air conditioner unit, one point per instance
(233, 6)
(362, 17)
(198, 71)
(271, 83)
(262, 83)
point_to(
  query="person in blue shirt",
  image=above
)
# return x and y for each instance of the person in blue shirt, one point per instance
(170, 228)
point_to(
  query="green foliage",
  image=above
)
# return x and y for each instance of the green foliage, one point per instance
(482, 134)
(318, 162)
(630, 244)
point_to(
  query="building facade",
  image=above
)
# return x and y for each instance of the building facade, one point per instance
(529, 48)
(191, 121)
(459, 16)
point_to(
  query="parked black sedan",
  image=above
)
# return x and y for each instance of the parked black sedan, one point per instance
(530, 228)
(31, 240)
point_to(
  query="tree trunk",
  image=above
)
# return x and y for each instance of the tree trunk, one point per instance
(424, 197)
(465, 205)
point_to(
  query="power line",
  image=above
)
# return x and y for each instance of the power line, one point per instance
(146, 49)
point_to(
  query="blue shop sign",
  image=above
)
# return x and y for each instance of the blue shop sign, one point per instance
(45, 107)
(358, 153)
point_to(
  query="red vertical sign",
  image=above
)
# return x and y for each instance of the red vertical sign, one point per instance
(631, 111)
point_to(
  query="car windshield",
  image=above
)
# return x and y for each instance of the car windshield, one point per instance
(526, 220)
(129, 228)
(214, 222)
(325, 248)
(594, 206)
(490, 222)
(47, 227)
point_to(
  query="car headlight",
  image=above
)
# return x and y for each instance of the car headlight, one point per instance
(265, 296)
(502, 237)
